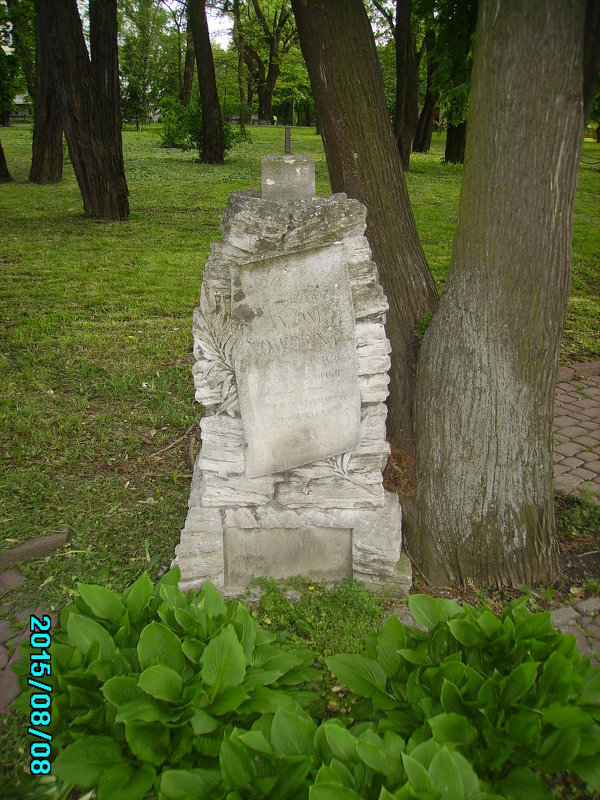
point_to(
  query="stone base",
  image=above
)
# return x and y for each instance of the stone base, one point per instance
(231, 546)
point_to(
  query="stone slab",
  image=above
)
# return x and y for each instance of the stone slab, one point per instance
(289, 177)
(11, 579)
(296, 363)
(32, 549)
(322, 553)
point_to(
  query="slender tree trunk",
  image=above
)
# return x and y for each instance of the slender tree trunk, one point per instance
(239, 43)
(598, 135)
(87, 124)
(5, 176)
(456, 139)
(363, 161)
(249, 101)
(488, 362)
(6, 119)
(188, 68)
(47, 151)
(424, 131)
(406, 114)
(20, 20)
(212, 121)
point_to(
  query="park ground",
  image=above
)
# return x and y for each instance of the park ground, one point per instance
(97, 418)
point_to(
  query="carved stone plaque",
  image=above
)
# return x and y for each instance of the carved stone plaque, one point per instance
(295, 363)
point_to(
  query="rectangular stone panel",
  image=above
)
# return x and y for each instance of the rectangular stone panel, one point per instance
(322, 553)
(295, 362)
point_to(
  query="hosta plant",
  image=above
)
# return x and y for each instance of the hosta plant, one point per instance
(154, 681)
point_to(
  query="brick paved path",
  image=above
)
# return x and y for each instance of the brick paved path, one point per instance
(577, 429)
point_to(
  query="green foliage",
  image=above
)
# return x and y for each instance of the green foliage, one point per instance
(511, 695)
(155, 688)
(182, 127)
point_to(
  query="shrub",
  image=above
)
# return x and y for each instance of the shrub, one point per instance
(182, 127)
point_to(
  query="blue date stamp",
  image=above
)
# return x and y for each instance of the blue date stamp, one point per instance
(40, 670)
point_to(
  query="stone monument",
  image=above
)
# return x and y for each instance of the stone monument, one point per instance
(291, 367)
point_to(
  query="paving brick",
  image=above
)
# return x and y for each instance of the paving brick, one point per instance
(564, 421)
(567, 449)
(559, 469)
(32, 549)
(9, 688)
(594, 466)
(572, 463)
(564, 617)
(10, 580)
(590, 425)
(587, 440)
(584, 474)
(573, 431)
(559, 438)
(3, 656)
(587, 455)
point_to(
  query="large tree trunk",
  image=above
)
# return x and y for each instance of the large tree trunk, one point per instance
(188, 68)
(363, 161)
(488, 363)
(105, 65)
(89, 126)
(424, 131)
(212, 121)
(4, 173)
(456, 139)
(47, 151)
(406, 114)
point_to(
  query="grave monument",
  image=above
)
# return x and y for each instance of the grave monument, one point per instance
(291, 368)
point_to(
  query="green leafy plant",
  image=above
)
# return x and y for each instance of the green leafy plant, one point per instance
(151, 684)
(510, 694)
(182, 127)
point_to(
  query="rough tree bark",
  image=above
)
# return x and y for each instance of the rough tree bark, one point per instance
(47, 151)
(363, 161)
(488, 362)
(212, 120)
(5, 176)
(406, 115)
(456, 140)
(188, 67)
(96, 156)
(424, 132)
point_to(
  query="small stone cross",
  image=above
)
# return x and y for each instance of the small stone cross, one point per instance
(288, 140)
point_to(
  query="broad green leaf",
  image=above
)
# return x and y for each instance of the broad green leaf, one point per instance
(375, 757)
(587, 769)
(469, 779)
(236, 765)
(327, 775)
(391, 638)
(161, 682)
(204, 723)
(138, 595)
(518, 683)
(211, 600)
(343, 772)
(82, 762)
(466, 632)
(453, 728)
(419, 656)
(103, 602)
(451, 698)
(256, 740)
(342, 743)
(291, 777)
(159, 645)
(291, 733)
(173, 596)
(143, 709)
(247, 628)
(523, 784)
(85, 633)
(228, 700)
(125, 782)
(559, 749)
(359, 673)
(524, 726)
(417, 774)
(567, 717)
(193, 649)
(183, 784)
(331, 791)
(147, 742)
(555, 681)
(445, 776)
(120, 688)
(224, 662)
(427, 611)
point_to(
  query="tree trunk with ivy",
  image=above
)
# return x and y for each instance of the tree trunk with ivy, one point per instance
(488, 362)
(363, 161)
(212, 151)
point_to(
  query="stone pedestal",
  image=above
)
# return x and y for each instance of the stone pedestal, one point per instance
(291, 367)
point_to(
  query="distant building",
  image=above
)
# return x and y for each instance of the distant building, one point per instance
(22, 107)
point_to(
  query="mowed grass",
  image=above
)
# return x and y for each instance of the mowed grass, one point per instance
(96, 393)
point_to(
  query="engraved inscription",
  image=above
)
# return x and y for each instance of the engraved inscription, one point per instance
(295, 362)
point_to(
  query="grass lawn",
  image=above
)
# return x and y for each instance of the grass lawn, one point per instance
(96, 391)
